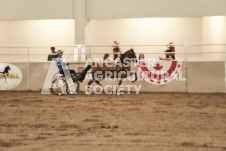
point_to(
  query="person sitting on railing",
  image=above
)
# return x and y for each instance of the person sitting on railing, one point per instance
(171, 47)
(52, 55)
(116, 50)
(62, 66)
(169, 56)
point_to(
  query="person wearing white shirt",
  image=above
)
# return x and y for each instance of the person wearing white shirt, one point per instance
(107, 58)
(62, 65)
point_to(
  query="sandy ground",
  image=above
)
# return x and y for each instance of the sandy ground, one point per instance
(144, 122)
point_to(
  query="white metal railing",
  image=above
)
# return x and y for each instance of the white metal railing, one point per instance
(209, 52)
(39, 54)
(197, 52)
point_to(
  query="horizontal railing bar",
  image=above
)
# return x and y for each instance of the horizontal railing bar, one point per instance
(125, 45)
(33, 46)
(207, 45)
(106, 45)
(203, 52)
(30, 54)
(113, 53)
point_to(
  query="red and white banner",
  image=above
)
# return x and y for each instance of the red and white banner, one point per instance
(159, 72)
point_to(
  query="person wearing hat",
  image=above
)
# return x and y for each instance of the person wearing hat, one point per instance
(169, 56)
(52, 55)
(116, 50)
(62, 66)
(171, 47)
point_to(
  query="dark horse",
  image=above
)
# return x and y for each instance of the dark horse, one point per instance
(6, 72)
(124, 66)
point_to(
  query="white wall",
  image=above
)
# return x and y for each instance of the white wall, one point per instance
(37, 33)
(36, 9)
(214, 29)
(141, 31)
(147, 31)
(97, 9)
(214, 32)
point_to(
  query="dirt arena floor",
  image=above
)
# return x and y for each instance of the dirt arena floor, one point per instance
(144, 122)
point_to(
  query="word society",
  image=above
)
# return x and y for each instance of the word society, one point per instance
(112, 89)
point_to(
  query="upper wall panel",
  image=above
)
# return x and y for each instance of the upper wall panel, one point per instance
(97, 9)
(36, 9)
(101, 9)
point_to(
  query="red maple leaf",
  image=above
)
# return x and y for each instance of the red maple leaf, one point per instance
(158, 67)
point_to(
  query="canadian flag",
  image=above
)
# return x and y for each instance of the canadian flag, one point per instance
(159, 72)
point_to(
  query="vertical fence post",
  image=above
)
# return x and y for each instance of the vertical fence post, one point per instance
(28, 68)
(79, 53)
(225, 68)
(186, 66)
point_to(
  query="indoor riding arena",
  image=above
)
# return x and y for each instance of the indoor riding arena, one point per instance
(112, 75)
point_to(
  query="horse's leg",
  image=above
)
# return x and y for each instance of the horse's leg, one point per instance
(98, 82)
(119, 84)
(90, 82)
(135, 77)
(99, 79)
(88, 90)
(125, 76)
(101, 86)
(121, 78)
(133, 73)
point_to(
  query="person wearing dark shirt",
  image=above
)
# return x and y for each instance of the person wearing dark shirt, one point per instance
(169, 56)
(116, 52)
(52, 55)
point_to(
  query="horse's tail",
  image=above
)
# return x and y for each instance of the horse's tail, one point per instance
(84, 72)
(135, 77)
